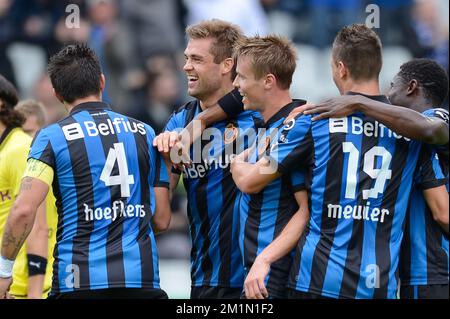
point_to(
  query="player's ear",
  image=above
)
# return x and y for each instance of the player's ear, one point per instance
(59, 97)
(413, 86)
(343, 71)
(102, 82)
(270, 81)
(227, 66)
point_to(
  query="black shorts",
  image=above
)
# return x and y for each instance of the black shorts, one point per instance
(206, 292)
(424, 292)
(113, 293)
(295, 294)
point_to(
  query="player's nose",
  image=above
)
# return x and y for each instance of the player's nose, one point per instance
(188, 66)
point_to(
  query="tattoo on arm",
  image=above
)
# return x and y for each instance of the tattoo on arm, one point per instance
(11, 242)
(26, 184)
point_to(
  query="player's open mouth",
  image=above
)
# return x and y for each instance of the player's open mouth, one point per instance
(244, 96)
(192, 78)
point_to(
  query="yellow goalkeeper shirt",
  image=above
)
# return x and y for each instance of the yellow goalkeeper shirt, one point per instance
(14, 148)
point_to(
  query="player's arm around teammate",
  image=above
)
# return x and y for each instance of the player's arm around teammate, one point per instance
(179, 142)
(254, 283)
(402, 120)
(252, 178)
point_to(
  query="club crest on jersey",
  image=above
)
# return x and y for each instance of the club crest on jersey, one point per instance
(289, 126)
(230, 134)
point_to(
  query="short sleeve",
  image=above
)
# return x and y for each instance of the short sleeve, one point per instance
(298, 180)
(41, 149)
(39, 170)
(161, 175)
(443, 115)
(15, 167)
(294, 145)
(175, 122)
(429, 173)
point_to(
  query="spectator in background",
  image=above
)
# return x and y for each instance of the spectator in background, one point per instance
(7, 34)
(248, 14)
(290, 18)
(113, 43)
(35, 21)
(156, 25)
(394, 19)
(428, 34)
(329, 16)
(161, 93)
(43, 92)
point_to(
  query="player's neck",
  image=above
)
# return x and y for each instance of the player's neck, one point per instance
(2, 128)
(421, 104)
(91, 98)
(274, 104)
(371, 88)
(212, 99)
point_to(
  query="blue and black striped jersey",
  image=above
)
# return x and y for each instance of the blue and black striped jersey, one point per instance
(442, 150)
(424, 254)
(361, 179)
(264, 215)
(105, 173)
(213, 199)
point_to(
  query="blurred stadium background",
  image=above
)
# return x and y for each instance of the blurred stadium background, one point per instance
(140, 44)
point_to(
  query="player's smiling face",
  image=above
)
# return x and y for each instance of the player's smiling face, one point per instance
(398, 92)
(250, 88)
(203, 74)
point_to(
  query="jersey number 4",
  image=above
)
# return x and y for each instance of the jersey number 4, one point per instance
(123, 179)
(380, 175)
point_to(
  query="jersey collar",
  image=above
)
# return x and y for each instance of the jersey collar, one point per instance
(284, 111)
(5, 134)
(379, 98)
(90, 106)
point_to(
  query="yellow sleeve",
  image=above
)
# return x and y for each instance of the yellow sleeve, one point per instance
(16, 163)
(39, 170)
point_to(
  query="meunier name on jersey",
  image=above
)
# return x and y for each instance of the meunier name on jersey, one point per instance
(356, 125)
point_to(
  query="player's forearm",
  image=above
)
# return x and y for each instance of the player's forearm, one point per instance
(174, 179)
(244, 178)
(405, 122)
(204, 119)
(37, 241)
(19, 225)
(288, 238)
(35, 287)
(163, 214)
(211, 115)
(438, 203)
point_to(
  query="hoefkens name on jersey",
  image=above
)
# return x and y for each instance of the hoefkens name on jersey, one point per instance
(357, 126)
(111, 127)
(118, 209)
